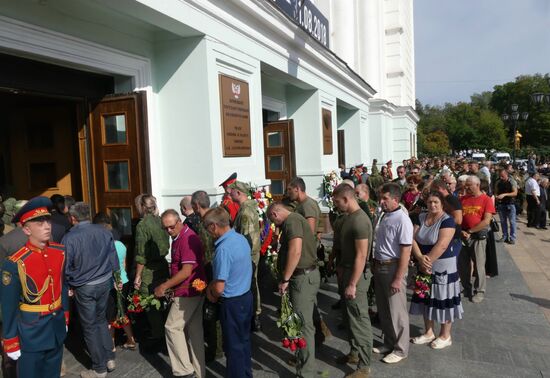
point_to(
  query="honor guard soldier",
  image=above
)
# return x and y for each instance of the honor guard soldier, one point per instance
(35, 297)
(228, 204)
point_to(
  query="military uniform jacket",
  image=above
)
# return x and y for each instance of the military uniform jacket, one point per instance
(247, 223)
(35, 303)
(231, 206)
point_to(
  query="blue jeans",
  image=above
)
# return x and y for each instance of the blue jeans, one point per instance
(236, 318)
(507, 213)
(91, 303)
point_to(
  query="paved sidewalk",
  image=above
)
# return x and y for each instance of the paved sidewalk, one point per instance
(507, 335)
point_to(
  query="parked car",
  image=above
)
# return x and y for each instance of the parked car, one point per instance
(497, 157)
(521, 164)
(478, 156)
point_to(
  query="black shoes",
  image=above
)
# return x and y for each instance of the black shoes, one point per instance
(256, 325)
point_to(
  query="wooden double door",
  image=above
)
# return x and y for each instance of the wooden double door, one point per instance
(279, 155)
(118, 156)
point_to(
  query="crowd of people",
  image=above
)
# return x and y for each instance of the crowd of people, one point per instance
(429, 229)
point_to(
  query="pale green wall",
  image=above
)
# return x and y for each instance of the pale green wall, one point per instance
(181, 85)
(274, 89)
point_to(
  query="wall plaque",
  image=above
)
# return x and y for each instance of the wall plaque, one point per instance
(235, 109)
(327, 132)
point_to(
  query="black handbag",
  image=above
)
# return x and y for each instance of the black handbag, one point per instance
(494, 225)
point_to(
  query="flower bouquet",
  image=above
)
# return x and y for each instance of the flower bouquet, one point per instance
(271, 257)
(291, 324)
(263, 199)
(121, 318)
(422, 285)
(141, 302)
(330, 181)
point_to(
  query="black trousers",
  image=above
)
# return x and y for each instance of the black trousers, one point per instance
(533, 211)
(543, 216)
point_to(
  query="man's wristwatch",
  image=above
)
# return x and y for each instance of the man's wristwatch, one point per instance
(285, 281)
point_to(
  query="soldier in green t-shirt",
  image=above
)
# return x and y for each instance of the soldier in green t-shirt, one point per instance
(305, 205)
(309, 209)
(299, 275)
(355, 239)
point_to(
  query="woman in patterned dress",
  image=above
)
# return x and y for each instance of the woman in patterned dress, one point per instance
(436, 256)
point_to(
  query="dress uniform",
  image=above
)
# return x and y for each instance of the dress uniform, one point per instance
(35, 301)
(228, 204)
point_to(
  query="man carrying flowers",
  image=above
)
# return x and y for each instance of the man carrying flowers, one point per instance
(299, 275)
(183, 328)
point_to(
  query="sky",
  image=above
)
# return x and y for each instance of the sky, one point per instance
(469, 46)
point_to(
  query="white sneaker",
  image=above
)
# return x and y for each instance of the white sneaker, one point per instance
(392, 358)
(439, 343)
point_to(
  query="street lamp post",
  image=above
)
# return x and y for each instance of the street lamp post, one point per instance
(515, 115)
(539, 97)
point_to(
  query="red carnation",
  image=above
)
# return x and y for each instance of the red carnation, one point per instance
(293, 346)
(135, 299)
(286, 342)
(302, 343)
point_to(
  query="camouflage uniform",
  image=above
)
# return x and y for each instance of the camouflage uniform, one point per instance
(152, 245)
(247, 223)
(207, 243)
(375, 181)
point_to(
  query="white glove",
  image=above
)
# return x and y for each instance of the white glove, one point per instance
(14, 355)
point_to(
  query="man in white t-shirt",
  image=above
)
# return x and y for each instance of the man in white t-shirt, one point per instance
(532, 190)
(394, 235)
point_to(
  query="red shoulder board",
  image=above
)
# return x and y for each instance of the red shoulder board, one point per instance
(19, 254)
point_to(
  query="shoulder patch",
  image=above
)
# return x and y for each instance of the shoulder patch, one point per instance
(19, 254)
(6, 277)
(58, 246)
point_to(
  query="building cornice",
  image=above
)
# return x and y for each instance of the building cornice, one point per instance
(278, 33)
(378, 105)
(407, 111)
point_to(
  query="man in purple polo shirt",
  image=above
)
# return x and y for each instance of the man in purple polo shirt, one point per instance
(184, 332)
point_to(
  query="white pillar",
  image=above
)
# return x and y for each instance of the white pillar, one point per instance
(370, 35)
(343, 30)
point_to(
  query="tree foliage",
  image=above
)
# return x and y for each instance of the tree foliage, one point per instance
(436, 143)
(478, 124)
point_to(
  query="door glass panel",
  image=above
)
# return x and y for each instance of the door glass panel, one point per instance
(276, 163)
(115, 129)
(117, 175)
(278, 187)
(121, 219)
(275, 139)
